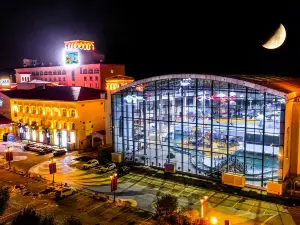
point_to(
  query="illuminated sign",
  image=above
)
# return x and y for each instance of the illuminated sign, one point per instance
(71, 57)
(133, 98)
(79, 44)
(5, 81)
(186, 82)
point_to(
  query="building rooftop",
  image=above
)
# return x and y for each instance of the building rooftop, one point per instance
(57, 93)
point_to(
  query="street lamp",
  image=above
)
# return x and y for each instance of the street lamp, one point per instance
(9, 156)
(52, 167)
(203, 202)
(114, 184)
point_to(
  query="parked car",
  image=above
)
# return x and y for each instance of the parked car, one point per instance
(121, 171)
(64, 192)
(59, 152)
(91, 163)
(45, 150)
(107, 167)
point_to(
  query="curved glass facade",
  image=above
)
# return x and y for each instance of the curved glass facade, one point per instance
(205, 127)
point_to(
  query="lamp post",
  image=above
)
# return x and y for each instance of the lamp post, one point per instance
(203, 202)
(9, 156)
(114, 184)
(52, 167)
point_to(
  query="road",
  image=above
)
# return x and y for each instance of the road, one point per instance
(142, 191)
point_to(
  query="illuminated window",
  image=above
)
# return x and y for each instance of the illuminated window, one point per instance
(58, 72)
(41, 73)
(111, 71)
(49, 73)
(85, 71)
(63, 72)
(27, 109)
(64, 112)
(90, 71)
(96, 71)
(73, 113)
(54, 73)
(84, 78)
(73, 126)
(45, 73)
(96, 78)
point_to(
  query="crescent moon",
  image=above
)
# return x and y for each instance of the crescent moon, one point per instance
(277, 39)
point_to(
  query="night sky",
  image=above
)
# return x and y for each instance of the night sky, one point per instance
(155, 38)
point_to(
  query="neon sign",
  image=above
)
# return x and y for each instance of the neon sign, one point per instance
(5, 81)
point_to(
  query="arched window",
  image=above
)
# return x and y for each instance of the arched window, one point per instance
(85, 71)
(90, 71)
(54, 72)
(41, 73)
(41, 110)
(64, 72)
(73, 113)
(73, 126)
(96, 71)
(45, 73)
(65, 125)
(64, 112)
(27, 109)
(58, 72)
(33, 110)
(49, 73)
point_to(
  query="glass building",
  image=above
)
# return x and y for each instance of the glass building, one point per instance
(205, 125)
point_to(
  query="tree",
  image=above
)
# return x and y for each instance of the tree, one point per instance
(72, 220)
(165, 205)
(29, 216)
(4, 197)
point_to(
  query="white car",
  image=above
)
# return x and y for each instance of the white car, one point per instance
(91, 163)
(107, 167)
(64, 192)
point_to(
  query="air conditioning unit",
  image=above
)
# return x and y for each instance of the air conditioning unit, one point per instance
(233, 179)
(274, 188)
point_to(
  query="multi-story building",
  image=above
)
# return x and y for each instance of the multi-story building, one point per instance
(81, 66)
(88, 75)
(58, 115)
